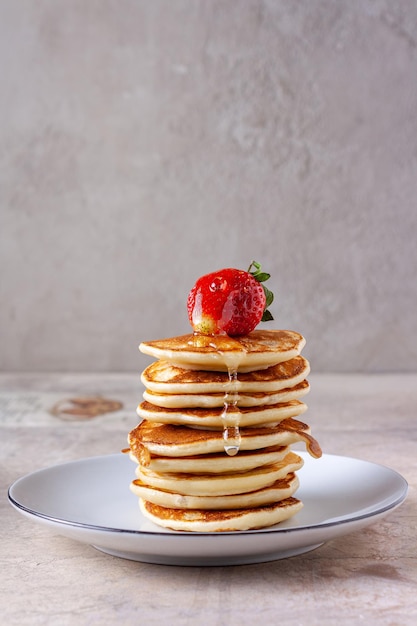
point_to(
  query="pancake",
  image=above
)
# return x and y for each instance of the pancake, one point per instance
(279, 490)
(213, 400)
(259, 349)
(164, 378)
(211, 418)
(180, 441)
(216, 463)
(223, 520)
(222, 484)
(218, 417)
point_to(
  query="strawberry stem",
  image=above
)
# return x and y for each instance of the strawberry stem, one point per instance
(261, 277)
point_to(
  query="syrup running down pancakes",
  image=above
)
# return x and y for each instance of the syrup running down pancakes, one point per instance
(218, 418)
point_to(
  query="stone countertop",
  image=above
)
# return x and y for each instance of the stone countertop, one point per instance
(368, 576)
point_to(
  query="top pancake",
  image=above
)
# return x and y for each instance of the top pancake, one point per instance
(258, 350)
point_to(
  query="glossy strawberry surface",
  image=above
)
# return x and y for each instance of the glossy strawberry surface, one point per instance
(228, 301)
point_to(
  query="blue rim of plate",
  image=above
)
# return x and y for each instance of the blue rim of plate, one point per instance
(170, 533)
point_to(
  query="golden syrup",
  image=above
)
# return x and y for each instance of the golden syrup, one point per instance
(232, 353)
(231, 416)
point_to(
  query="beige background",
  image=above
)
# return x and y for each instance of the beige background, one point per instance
(145, 142)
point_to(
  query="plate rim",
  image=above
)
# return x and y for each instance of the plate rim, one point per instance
(167, 533)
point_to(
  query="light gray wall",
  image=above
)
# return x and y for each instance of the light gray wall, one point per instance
(145, 142)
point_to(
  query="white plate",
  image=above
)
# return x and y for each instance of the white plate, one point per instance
(90, 501)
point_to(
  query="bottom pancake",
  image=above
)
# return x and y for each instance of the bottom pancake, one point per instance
(199, 520)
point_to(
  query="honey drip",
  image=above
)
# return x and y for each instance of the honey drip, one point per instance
(231, 416)
(232, 353)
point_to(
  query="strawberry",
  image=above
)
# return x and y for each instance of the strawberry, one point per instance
(229, 301)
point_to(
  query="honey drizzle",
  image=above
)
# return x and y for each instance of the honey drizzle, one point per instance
(230, 414)
(232, 353)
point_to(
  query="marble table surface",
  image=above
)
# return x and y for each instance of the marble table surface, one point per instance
(368, 576)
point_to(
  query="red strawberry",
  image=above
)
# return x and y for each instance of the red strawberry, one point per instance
(229, 301)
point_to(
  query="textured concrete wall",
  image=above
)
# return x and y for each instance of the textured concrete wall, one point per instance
(145, 142)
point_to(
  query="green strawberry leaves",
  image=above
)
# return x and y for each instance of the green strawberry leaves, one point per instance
(261, 277)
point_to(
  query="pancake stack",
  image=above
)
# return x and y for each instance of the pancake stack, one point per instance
(217, 421)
